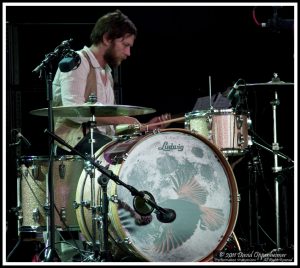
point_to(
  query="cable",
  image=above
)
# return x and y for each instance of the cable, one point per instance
(254, 17)
(13, 250)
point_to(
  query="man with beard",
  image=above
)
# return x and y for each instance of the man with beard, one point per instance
(111, 40)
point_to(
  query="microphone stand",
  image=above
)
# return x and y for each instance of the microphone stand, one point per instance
(46, 66)
(103, 181)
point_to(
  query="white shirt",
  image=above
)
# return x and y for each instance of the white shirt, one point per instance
(69, 87)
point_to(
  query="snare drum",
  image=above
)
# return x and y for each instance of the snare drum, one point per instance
(225, 128)
(184, 172)
(33, 195)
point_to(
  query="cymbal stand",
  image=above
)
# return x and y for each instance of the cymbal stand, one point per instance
(276, 168)
(278, 180)
(102, 220)
(91, 172)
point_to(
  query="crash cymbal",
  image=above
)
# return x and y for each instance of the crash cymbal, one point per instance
(87, 110)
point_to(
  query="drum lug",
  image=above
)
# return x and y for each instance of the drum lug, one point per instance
(123, 138)
(249, 122)
(209, 122)
(82, 203)
(238, 197)
(156, 131)
(62, 170)
(210, 136)
(124, 157)
(35, 172)
(86, 204)
(117, 159)
(239, 121)
(20, 216)
(36, 215)
(126, 241)
(114, 198)
(88, 167)
(250, 142)
(25, 173)
(75, 205)
(18, 212)
(63, 213)
(241, 139)
(187, 124)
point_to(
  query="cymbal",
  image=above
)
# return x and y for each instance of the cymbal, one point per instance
(270, 83)
(87, 110)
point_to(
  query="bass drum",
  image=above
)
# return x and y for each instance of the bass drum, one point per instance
(184, 172)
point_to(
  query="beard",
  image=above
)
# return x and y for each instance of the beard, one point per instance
(110, 57)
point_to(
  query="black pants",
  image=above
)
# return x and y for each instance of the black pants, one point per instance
(84, 146)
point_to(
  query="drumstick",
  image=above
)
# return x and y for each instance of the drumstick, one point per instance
(121, 128)
(166, 122)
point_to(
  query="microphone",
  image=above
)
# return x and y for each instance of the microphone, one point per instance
(140, 204)
(61, 49)
(20, 136)
(279, 24)
(63, 45)
(276, 23)
(70, 62)
(233, 92)
(166, 217)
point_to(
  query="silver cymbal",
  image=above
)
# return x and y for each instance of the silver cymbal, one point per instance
(87, 110)
(270, 83)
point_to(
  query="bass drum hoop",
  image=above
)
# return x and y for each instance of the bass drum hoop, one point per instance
(116, 227)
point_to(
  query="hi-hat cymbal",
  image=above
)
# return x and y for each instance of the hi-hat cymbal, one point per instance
(88, 110)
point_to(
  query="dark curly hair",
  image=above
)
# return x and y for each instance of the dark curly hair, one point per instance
(116, 24)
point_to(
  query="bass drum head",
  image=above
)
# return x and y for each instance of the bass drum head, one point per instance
(184, 172)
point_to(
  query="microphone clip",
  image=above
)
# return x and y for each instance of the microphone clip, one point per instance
(168, 216)
(140, 203)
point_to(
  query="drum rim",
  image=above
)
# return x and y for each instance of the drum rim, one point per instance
(214, 111)
(196, 113)
(46, 157)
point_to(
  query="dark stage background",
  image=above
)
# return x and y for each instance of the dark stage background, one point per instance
(177, 49)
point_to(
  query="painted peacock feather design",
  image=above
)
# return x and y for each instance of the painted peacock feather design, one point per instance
(189, 200)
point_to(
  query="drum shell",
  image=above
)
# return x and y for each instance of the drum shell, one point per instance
(225, 128)
(123, 228)
(33, 195)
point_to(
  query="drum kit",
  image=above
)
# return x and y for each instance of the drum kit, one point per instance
(180, 173)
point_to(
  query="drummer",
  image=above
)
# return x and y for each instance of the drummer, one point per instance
(111, 41)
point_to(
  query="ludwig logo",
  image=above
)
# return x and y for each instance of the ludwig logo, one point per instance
(168, 147)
